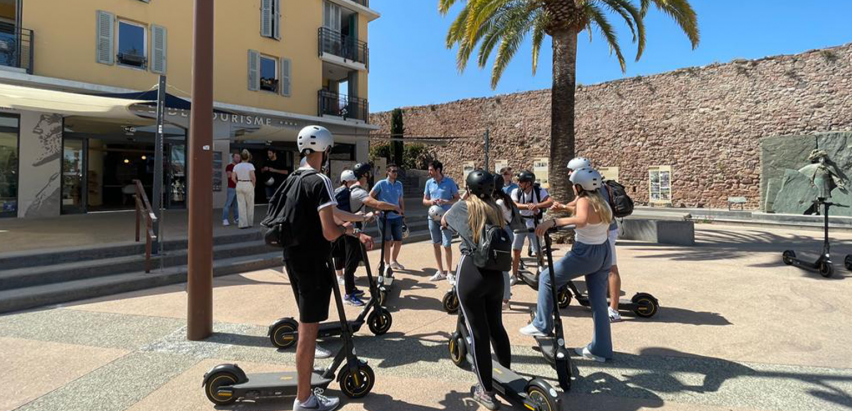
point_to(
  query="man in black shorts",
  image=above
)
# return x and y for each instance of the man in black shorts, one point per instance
(308, 264)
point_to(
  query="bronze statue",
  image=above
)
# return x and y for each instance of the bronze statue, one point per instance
(822, 173)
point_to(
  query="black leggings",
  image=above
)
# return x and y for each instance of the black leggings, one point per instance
(481, 297)
(347, 256)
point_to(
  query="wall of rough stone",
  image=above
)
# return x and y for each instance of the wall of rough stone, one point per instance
(706, 123)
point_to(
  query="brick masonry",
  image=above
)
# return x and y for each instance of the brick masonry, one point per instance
(706, 123)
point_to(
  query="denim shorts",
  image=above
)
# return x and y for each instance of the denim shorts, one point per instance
(439, 236)
(394, 230)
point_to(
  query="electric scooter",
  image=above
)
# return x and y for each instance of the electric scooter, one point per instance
(822, 264)
(227, 383)
(642, 304)
(530, 278)
(385, 278)
(285, 331)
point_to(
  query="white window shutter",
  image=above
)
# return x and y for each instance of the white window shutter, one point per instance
(253, 70)
(285, 77)
(106, 36)
(158, 48)
(277, 21)
(266, 18)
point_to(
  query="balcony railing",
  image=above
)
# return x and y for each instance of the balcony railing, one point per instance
(16, 47)
(340, 105)
(365, 3)
(332, 42)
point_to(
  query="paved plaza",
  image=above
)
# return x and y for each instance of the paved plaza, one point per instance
(737, 330)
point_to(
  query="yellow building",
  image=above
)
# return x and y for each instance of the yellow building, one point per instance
(279, 66)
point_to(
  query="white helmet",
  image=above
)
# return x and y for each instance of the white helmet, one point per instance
(436, 212)
(347, 175)
(588, 178)
(314, 138)
(579, 162)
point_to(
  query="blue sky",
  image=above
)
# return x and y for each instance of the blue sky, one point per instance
(409, 64)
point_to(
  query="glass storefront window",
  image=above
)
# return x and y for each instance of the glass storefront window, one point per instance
(8, 165)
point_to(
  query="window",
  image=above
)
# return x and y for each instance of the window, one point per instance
(609, 173)
(8, 165)
(270, 19)
(660, 178)
(268, 74)
(132, 39)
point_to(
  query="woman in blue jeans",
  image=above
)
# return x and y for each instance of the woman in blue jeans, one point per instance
(590, 257)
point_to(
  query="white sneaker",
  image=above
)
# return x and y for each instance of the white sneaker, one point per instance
(451, 278)
(438, 276)
(397, 266)
(585, 353)
(317, 402)
(614, 316)
(341, 280)
(226, 223)
(321, 353)
(531, 331)
(513, 280)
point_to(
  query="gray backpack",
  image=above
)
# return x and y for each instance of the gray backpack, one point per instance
(494, 251)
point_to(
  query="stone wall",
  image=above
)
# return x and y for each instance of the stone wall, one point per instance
(706, 123)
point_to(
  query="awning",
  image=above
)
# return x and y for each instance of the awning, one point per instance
(67, 104)
(151, 97)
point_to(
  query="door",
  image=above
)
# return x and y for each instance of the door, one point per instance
(10, 42)
(74, 181)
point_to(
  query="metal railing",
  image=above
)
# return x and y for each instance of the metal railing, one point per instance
(144, 210)
(16, 47)
(347, 47)
(340, 105)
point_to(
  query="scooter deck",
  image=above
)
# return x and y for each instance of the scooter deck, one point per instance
(506, 382)
(278, 383)
(333, 328)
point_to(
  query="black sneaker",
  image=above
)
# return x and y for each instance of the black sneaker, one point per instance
(358, 292)
(484, 398)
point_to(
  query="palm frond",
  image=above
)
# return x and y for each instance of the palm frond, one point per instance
(598, 18)
(539, 25)
(683, 14)
(508, 47)
(445, 5)
(457, 31)
(508, 18)
(481, 11)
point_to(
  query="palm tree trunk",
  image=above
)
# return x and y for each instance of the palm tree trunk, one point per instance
(562, 112)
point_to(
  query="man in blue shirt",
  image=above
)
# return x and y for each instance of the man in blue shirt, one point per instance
(441, 191)
(508, 185)
(390, 191)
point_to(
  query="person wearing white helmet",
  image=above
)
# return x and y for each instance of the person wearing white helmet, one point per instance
(346, 251)
(440, 191)
(590, 257)
(614, 274)
(307, 264)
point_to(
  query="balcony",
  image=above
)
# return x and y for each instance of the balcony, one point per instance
(365, 3)
(340, 49)
(16, 47)
(339, 105)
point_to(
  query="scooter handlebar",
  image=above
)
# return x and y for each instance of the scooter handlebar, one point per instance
(549, 230)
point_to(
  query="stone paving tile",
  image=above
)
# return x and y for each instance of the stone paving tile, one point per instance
(87, 328)
(35, 368)
(115, 386)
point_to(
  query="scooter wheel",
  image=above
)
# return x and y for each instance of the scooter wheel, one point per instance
(848, 262)
(541, 399)
(458, 351)
(379, 321)
(825, 269)
(787, 257)
(451, 302)
(563, 298)
(284, 334)
(216, 381)
(359, 383)
(646, 305)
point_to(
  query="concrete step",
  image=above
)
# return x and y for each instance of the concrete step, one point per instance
(78, 270)
(42, 295)
(36, 258)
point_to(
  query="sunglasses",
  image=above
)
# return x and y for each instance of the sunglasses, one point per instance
(392, 171)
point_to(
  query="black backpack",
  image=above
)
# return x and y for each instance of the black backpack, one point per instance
(284, 217)
(342, 196)
(494, 251)
(619, 201)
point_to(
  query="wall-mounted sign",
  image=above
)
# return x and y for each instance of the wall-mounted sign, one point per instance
(660, 184)
(609, 173)
(500, 164)
(541, 168)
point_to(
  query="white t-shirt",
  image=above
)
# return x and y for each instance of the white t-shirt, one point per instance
(243, 171)
(507, 211)
(519, 196)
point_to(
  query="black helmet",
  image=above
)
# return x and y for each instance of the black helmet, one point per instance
(526, 176)
(480, 183)
(361, 169)
(498, 182)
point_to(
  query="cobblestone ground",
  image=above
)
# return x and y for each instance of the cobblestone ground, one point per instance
(737, 330)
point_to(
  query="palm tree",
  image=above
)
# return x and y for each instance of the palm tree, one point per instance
(487, 23)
